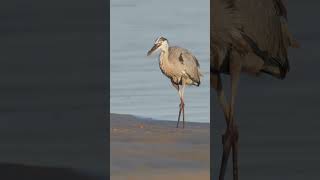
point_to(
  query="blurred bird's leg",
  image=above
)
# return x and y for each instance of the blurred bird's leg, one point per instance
(230, 138)
(217, 85)
(235, 70)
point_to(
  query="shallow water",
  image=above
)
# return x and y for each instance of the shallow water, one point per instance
(137, 84)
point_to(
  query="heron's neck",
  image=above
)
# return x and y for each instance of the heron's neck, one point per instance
(164, 55)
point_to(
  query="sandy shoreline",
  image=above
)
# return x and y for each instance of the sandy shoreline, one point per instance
(151, 149)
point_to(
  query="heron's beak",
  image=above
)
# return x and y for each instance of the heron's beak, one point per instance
(155, 47)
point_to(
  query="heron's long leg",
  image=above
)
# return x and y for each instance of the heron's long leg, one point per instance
(180, 109)
(182, 103)
(224, 160)
(183, 116)
(230, 138)
(235, 148)
(235, 70)
(217, 84)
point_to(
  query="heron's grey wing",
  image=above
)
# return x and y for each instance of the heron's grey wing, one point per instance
(190, 66)
(265, 26)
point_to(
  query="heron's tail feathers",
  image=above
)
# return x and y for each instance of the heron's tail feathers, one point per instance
(194, 80)
(275, 71)
(197, 83)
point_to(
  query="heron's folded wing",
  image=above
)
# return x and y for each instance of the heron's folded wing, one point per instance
(265, 22)
(191, 65)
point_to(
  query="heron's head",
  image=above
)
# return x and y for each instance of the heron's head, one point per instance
(160, 43)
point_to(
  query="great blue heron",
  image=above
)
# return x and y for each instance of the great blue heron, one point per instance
(179, 65)
(246, 36)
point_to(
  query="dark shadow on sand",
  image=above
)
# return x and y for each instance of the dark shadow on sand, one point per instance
(18, 172)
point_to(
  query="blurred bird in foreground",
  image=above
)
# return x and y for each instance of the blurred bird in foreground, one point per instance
(249, 36)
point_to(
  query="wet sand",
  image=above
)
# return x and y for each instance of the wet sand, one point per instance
(151, 150)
